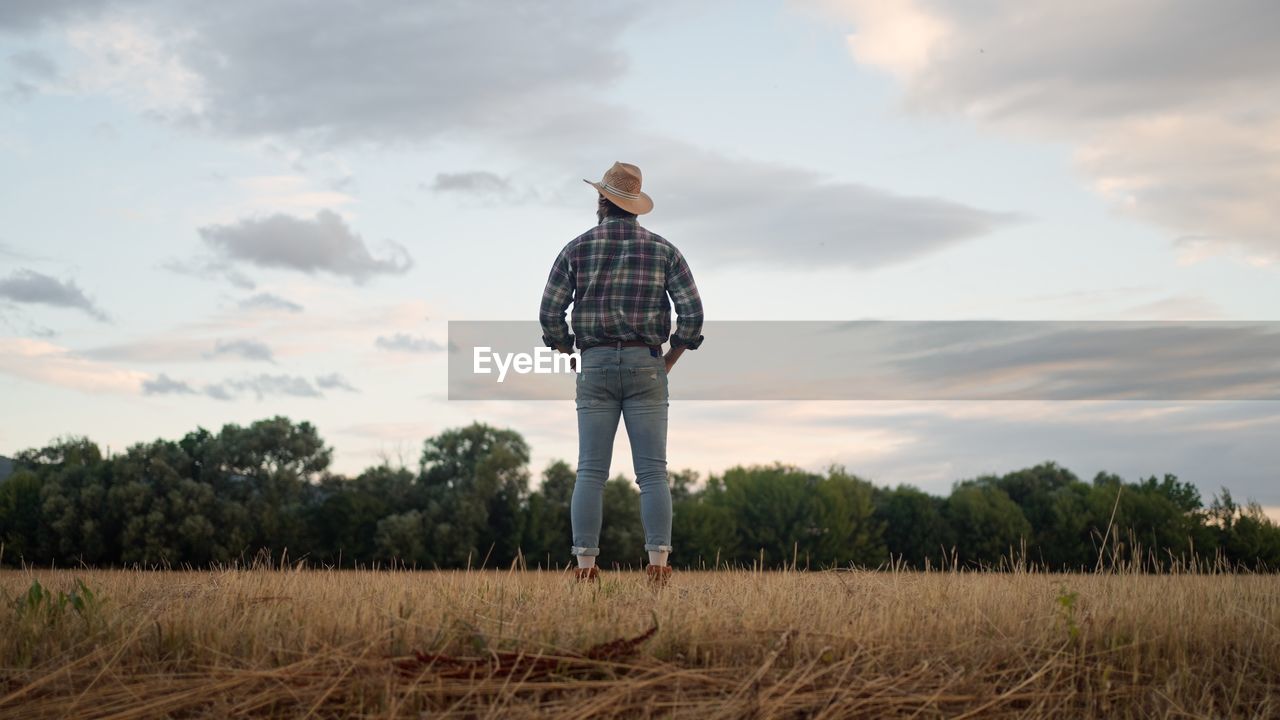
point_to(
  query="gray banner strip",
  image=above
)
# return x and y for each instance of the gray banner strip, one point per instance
(908, 360)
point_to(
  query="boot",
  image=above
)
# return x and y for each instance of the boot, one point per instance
(589, 574)
(659, 575)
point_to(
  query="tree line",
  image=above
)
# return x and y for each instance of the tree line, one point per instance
(266, 490)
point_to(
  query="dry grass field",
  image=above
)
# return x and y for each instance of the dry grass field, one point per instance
(728, 644)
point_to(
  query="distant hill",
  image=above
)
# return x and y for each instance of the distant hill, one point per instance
(6, 467)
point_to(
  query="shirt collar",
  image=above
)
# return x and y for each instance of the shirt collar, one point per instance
(618, 219)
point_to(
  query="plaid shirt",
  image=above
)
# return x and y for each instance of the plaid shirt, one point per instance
(618, 275)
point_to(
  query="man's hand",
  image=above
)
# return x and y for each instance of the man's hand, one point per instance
(573, 361)
(671, 357)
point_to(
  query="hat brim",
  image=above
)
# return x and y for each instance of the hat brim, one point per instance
(639, 206)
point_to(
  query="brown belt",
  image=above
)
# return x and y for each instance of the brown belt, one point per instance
(625, 343)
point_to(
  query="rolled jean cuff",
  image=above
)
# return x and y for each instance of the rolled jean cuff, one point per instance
(584, 550)
(656, 548)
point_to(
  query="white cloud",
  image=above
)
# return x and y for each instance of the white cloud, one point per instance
(490, 187)
(29, 286)
(166, 348)
(403, 342)
(334, 381)
(1170, 105)
(138, 61)
(210, 269)
(336, 75)
(246, 349)
(323, 244)
(899, 36)
(337, 72)
(739, 211)
(34, 64)
(338, 320)
(770, 215)
(165, 385)
(269, 302)
(51, 364)
(18, 16)
(289, 192)
(260, 386)
(264, 385)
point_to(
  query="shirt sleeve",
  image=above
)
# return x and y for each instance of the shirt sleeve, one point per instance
(687, 302)
(556, 297)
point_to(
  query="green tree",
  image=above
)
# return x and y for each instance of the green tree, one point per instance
(401, 539)
(682, 484)
(475, 480)
(1245, 534)
(703, 527)
(772, 509)
(915, 530)
(1155, 520)
(166, 515)
(20, 516)
(548, 531)
(76, 523)
(1064, 541)
(1055, 503)
(844, 528)
(986, 523)
(790, 515)
(344, 514)
(214, 496)
(268, 466)
(621, 532)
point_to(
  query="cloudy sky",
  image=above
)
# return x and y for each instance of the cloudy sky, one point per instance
(219, 212)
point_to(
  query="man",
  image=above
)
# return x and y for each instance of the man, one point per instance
(618, 276)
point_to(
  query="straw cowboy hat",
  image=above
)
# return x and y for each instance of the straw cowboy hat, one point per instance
(621, 184)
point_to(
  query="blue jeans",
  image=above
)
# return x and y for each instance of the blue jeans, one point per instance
(628, 382)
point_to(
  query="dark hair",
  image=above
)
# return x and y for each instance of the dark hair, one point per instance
(612, 210)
